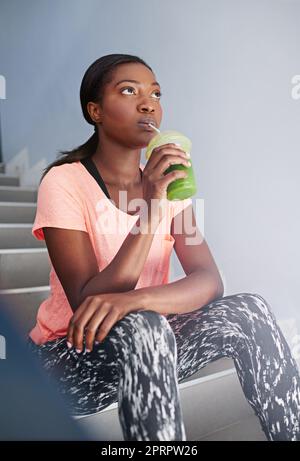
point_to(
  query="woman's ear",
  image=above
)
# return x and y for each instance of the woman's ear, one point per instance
(94, 111)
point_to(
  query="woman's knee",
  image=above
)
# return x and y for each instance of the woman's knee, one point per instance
(251, 306)
(146, 324)
(153, 321)
(256, 302)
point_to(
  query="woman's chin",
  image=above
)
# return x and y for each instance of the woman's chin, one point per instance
(144, 139)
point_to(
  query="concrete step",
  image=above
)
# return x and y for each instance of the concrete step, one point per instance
(210, 402)
(248, 429)
(24, 304)
(18, 236)
(18, 194)
(24, 267)
(6, 180)
(15, 212)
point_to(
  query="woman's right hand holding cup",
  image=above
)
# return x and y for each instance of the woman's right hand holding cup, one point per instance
(155, 182)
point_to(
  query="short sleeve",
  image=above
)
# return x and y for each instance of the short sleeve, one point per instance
(179, 205)
(58, 203)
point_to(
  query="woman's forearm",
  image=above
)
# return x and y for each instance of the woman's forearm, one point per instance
(184, 295)
(123, 272)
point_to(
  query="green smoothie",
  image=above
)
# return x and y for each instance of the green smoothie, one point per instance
(181, 188)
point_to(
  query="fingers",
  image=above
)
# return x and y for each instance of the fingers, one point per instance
(71, 326)
(168, 160)
(170, 177)
(92, 327)
(77, 324)
(91, 323)
(163, 150)
(99, 326)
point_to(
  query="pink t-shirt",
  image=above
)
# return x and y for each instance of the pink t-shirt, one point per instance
(69, 197)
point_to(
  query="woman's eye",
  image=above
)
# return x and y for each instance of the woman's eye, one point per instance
(126, 89)
(130, 88)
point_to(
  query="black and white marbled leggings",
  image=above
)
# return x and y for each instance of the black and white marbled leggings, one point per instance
(145, 355)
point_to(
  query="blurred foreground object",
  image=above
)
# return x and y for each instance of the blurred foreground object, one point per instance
(31, 408)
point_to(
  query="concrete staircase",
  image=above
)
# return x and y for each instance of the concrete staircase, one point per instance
(213, 404)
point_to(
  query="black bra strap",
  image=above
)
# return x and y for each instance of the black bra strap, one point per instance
(93, 170)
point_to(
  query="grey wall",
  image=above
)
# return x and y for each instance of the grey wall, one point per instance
(226, 69)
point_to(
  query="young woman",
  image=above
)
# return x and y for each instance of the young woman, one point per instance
(113, 328)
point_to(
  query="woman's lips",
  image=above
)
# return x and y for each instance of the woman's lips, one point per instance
(145, 126)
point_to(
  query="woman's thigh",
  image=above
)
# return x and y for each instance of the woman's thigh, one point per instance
(87, 381)
(136, 344)
(223, 328)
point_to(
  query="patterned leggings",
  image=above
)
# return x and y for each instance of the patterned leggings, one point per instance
(145, 355)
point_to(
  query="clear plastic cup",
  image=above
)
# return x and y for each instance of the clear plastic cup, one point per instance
(180, 188)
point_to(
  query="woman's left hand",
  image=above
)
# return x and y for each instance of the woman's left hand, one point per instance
(96, 315)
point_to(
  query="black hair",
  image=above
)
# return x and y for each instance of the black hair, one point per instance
(99, 74)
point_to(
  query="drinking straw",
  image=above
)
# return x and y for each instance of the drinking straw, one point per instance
(154, 127)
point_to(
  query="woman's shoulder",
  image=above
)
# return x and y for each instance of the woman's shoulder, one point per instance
(67, 171)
